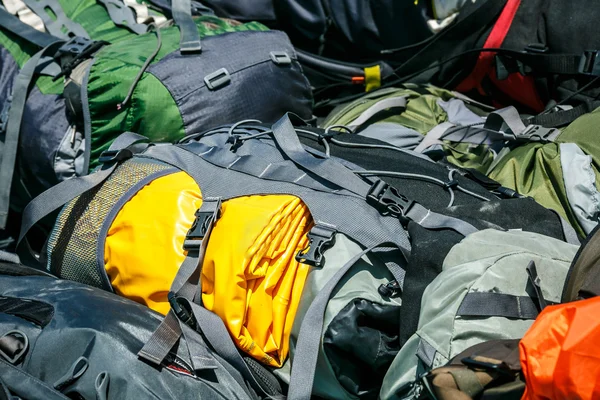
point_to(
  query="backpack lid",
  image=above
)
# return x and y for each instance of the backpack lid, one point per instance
(583, 279)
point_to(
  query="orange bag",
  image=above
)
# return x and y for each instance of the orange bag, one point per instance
(560, 354)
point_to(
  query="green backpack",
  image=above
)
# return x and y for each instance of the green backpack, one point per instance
(492, 287)
(69, 93)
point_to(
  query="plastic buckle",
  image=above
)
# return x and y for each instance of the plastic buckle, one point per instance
(4, 113)
(538, 133)
(195, 235)
(22, 338)
(320, 238)
(280, 58)
(590, 63)
(110, 156)
(473, 363)
(217, 79)
(74, 47)
(181, 310)
(388, 201)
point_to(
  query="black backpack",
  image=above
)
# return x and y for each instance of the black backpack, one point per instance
(60, 339)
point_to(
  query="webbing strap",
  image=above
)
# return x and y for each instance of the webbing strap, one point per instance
(59, 24)
(26, 385)
(433, 137)
(304, 363)
(24, 31)
(508, 116)
(58, 195)
(24, 13)
(536, 282)
(561, 118)
(386, 104)
(189, 37)
(13, 127)
(122, 15)
(492, 304)
(431, 220)
(286, 138)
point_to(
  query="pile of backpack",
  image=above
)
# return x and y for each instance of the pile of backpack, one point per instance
(416, 189)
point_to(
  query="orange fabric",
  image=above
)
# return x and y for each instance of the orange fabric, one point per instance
(560, 354)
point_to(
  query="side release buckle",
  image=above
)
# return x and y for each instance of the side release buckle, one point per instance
(388, 201)
(321, 238)
(205, 217)
(590, 63)
(70, 54)
(538, 133)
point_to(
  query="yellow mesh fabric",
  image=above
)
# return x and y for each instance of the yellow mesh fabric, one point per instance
(250, 277)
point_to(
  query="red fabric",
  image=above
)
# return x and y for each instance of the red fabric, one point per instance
(516, 86)
(560, 353)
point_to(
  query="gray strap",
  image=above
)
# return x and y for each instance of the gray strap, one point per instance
(466, 380)
(121, 15)
(24, 31)
(286, 138)
(189, 37)
(13, 128)
(386, 104)
(426, 352)
(433, 136)
(569, 232)
(431, 220)
(505, 118)
(491, 304)
(536, 282)
(57, 196)
(62, 26)
(25, 385)
(304, 362)
(185, 285)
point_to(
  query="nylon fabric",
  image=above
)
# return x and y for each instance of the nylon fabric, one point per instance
(250, 276)
(560, 354)
(488, 261)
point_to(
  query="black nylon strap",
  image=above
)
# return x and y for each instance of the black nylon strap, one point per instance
(490, 304)
(190, 38)
(561, 118)
(14, 25)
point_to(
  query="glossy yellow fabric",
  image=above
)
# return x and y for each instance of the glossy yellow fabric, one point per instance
(250, 277)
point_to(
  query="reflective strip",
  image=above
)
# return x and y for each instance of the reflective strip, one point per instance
(20, 9)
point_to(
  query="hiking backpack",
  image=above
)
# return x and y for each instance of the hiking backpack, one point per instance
(349, 219)
(526, 52)
(87, 91)
(492, 286)
(61, 339)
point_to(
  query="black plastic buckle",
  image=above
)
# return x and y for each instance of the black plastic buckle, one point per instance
(194, 237)
(473, 363)
(110, 156)
(320, 239)
(537, 133)
(74, 48)
(388, 201)
(590, 63)
(4, 114)
(181, 310)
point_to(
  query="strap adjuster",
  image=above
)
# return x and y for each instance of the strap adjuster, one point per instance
(590, 63)
(204, 219)
(109, 156)
(321, 238)
(538, 133)
(280, 58)
(71, 53)
(388, 201)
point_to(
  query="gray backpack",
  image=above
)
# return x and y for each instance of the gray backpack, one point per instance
(492, 287)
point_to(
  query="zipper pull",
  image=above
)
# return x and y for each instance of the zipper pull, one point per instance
(390, 289)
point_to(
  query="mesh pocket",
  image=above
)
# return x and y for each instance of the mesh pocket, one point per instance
(73, 244)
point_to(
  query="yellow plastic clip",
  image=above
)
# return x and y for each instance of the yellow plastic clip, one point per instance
(372, 78)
